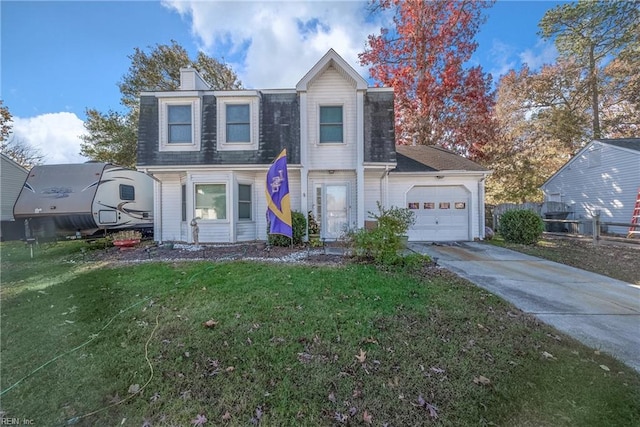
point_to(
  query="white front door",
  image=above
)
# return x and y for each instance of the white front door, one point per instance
(335, 211)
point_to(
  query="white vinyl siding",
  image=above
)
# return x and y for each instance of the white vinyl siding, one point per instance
(331, 89)
(610, 187)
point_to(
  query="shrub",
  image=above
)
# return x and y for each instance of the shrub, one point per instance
(382, 243)
(521, 226)
(299, 226)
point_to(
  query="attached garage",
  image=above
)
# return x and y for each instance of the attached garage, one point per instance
(442, 213)
(444, 190)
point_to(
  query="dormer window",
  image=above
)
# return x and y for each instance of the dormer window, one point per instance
(238, 120)
(179, 124)
(331, 124)
(238, 123)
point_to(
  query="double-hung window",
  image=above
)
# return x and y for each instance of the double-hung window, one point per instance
(211, 201)
(331, 126)
(238, 123)
(244, 202)
(237, 120)
(179, 122)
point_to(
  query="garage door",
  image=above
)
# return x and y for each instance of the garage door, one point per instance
(442, 213)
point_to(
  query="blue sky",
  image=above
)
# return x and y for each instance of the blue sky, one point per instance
(59, 58)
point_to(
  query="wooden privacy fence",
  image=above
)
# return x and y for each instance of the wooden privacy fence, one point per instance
(554, 215)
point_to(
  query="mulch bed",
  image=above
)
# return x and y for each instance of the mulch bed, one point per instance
(146, 252)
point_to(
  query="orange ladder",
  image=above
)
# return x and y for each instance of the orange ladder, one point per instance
(635, 218)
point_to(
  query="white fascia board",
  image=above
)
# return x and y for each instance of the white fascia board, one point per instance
(277, 91)
(174, 94)
(380, 89)
(448, 173)
(379, 165)
(235, 93)
(217, 168)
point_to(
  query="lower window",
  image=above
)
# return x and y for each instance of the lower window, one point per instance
(211, 201)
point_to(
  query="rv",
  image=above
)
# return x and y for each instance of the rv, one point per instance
(84, 199)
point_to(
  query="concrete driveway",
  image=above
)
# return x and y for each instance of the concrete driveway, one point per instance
(601, 312)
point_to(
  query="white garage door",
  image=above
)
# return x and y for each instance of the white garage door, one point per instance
(442, 213)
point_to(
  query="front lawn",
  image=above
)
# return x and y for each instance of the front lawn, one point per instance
(242, 343)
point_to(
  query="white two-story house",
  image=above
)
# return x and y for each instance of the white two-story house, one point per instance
(209, 152)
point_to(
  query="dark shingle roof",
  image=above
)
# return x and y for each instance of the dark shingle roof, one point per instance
(628, 143)
(431, 158)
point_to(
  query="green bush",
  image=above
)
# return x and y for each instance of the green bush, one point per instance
(299, 226)
(384, 242)
(521, 226)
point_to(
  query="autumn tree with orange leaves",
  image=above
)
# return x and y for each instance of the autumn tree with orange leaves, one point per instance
(439, 101)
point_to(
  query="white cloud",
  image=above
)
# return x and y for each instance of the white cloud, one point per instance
(274, 43)
(55, 135)
(543, 53)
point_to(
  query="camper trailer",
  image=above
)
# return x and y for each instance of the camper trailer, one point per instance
(84, 199)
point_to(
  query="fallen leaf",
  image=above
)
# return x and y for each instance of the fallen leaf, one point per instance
(134, 388)
(200, 420)
(362, 356)
(366, 417)
(341, 418)
(230, 369)
(332, 397)
(547, 355)
(226, 416)
(605, 367)
(482, 380)
(210, 323)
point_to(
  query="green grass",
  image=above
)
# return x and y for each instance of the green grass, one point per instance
(284, 348)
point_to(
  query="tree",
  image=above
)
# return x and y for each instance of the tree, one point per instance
(21, 152)
(17, 150)
(541, 123)
(112, 136)
(593, 32)
(5, 122)
(438, 100)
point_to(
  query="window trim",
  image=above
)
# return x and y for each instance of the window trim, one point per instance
(320, 107)
(254, 113)
(226, 196)
(163, 122)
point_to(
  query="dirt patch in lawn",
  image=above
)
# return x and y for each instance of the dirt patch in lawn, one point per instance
(618, 260)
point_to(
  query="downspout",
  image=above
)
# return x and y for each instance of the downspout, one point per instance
(481, 226)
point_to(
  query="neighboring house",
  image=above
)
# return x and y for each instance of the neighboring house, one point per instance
(603, 177)
(210, 151)
(12, 177)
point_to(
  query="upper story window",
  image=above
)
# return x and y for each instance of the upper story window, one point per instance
(238, 123)
(238, 120)
(179, 124)
(331, 126)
